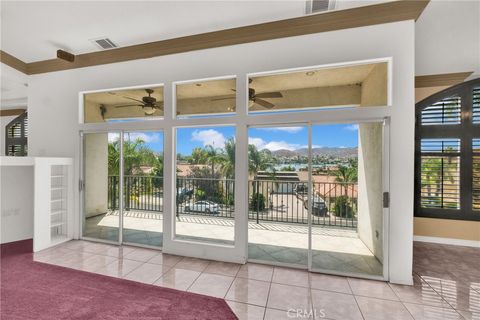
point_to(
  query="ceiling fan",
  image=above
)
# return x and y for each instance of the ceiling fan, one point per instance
(254, 98)
(148, 103)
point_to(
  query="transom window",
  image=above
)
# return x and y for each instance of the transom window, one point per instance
(447, 183)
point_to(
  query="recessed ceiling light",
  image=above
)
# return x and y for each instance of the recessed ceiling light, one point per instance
(310, 73)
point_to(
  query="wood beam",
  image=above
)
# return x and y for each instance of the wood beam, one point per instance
(13, 62)
(315, 23)
(439, 80)
(11, 112)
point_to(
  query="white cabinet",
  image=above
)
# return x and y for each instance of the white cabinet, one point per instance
(53, 208)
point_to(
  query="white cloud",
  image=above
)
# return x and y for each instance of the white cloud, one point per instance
(132, 136)
(273, 145)
(352, 127)
(209, 137)
(284, 129)
(147, 137)
(257, 142)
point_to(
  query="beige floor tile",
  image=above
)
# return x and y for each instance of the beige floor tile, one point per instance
(192, 264)
(421, 312)
(274, 314)
(166, 259)
(469, 315)
(249, 291)
(211, 285)
(140, 254)
(370, 288)
(93, 263)
(147, 273)
(246, 311)
(175, 278)
(329, 283)
(256, 271)
(223, 268)
(285, 297)
(289, 276)
(333, 305)
(117, 251)
(377, 309)
(119, 268)
(421, 294)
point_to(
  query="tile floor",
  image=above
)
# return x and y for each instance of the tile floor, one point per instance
(334, 248)
(447, 283)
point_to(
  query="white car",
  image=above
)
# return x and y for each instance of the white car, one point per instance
(203, 206)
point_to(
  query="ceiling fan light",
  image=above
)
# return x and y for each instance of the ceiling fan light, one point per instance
(149, 110)
(251, 103)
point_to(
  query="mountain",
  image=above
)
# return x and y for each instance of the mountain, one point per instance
(326, 151)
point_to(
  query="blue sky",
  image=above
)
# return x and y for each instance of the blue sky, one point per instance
(290, 138)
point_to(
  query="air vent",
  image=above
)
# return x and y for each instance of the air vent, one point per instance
(314, 6)
(104, 43)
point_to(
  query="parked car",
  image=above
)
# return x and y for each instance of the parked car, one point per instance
(203, 206)
(319, 207)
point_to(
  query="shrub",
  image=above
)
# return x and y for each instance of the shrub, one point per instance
(343, 207)
(257, 202)
(200, 194)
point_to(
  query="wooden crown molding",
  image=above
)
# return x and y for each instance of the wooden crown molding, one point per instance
(314, 23)
(11, 112)
(440, 80)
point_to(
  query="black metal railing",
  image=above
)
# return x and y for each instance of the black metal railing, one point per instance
(333, 203)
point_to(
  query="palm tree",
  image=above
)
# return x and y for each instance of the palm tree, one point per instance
(257, 160)
(228, 163)
(346, 175)
(214, 156)
(199, 156)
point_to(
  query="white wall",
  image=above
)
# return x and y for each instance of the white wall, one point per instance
(53, 99)
(447, 38)
(96, 174)
(16, 203)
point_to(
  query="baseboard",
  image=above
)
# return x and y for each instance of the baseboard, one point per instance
(451, 241)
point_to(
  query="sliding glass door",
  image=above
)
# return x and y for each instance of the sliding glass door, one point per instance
(101, 186)
(347, 214)
(143, 188)
(277, 194)
(315, 197)
(137, 216)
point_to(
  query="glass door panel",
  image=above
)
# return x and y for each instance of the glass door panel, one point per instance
(143, 188)
(205, 184)
(101, 159)
(347, 208)
(277, 195)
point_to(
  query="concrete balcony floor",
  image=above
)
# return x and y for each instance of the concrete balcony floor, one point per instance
(338, 250)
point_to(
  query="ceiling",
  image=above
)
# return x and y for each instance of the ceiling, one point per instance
(69, 25)
(447, 33)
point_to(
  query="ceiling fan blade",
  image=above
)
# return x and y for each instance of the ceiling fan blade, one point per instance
(218, 99)
(264, 103)
(132, 99)
(129, 105)
(158, 106)
(275, 94)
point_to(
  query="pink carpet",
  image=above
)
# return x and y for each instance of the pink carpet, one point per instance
(33, 290)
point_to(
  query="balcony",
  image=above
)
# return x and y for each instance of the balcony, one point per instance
(278, 219)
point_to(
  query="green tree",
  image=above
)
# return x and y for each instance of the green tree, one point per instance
(135, 154)
(258, 160)
(214, 156)
(199, 156)
(227, 165)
